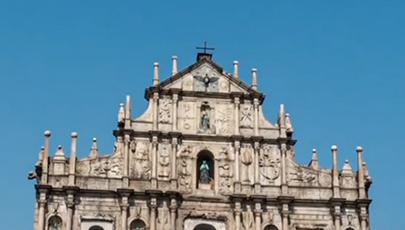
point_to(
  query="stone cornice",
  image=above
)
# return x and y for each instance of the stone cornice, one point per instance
(215, 95)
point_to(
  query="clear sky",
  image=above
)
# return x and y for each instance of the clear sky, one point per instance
(337, 65)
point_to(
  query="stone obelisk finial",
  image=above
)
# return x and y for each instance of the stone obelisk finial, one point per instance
(314, 161)
(121, 113)
(174, 65)
(44, 177)
(128, 109)
(72, 159)
(362, 192)
(155, 74)
(254, 78)
(94, 149)
(335, 173)
(236, 69)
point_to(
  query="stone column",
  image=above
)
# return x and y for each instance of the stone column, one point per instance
(72, 159)
(173, 209)
(337, 217)
(175, 98)
(125, 179)
(173, 174)
(236, 102)
(237, 185)
(363, 216)
(154, 161)
(152, 216)
(41, 215)
(362, 192)
(124, 213)
(42, 201)
(256, 166)
(256, 109)
(335, 173)
(285, 212)
(237, 212)
(69, 219)
(155, 110)
(70, 204)
(258, 216)
(284, 186)
(44, 177)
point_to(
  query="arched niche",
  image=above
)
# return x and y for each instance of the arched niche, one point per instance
(55, 223)
(137, 225)
(96, 227)
(270, 227)
(205, 159)
(204, 227)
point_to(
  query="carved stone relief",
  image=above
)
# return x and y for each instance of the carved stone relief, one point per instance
(142, 168)
(269, 163)
(106, 166)
(164, 161)
(246, 116)
(163, 220)
(165, 105)
(205, 80)
(298, 175)
(247, 218)
(184, 167)
(225, 171)
(246, 159)
(223, 118)
(187, 116)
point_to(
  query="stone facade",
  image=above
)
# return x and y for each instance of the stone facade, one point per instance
(202, 156)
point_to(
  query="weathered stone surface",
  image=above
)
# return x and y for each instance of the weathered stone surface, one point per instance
(200, 122)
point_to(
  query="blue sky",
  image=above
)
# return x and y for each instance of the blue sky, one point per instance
(337, 65)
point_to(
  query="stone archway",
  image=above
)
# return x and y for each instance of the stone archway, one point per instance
(204, 227)
(203, 224)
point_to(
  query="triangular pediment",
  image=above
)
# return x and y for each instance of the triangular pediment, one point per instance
(205, 76)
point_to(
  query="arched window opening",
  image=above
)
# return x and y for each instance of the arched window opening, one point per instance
(137, 225)
(349, 228)
(55, 223)
(204, 227)
(205, 169)
(96, 227)
(270, 227)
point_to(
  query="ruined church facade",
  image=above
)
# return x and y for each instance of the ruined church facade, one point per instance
(201, 157)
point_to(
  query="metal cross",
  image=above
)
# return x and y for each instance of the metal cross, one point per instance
(205, 48)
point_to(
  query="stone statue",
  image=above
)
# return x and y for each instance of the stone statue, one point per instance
(205, 121)
(55, 223)
(204, 173)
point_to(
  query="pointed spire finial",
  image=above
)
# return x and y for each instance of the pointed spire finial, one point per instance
(59, 154)
(94, 149)
(155, 74)
(174, 65)
(254, 78)
(347, 168)
(236, 69)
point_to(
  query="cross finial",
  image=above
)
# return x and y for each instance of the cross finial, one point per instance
(205, 48)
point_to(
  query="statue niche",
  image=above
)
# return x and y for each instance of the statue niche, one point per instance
(205, 123)
(205, 170)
